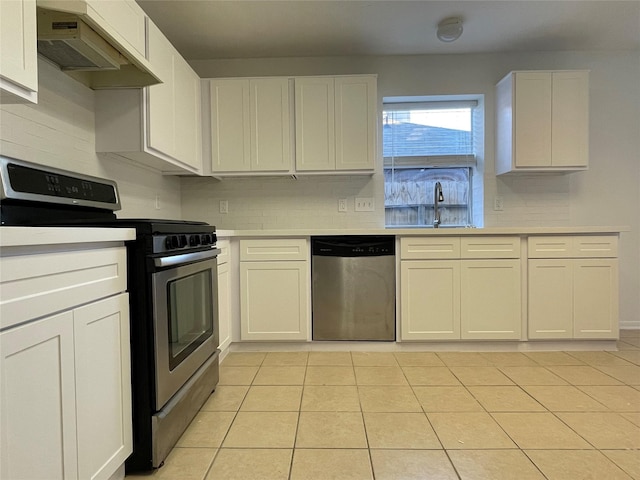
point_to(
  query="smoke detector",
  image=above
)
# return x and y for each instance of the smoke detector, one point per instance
(450, 29)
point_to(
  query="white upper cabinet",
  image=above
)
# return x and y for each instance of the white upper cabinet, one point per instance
(126, 18)
(173, 107)
(18, 57)
(257, 124)
(160, 125)
(250, 125)
(315, 124)
(336, 123)
(542, 121)
(356, 122)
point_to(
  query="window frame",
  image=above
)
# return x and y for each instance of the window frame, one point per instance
(466, 161)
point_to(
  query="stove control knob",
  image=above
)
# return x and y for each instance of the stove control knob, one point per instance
(206, 239)
(194, 240)
(171, 242)
(182, 241)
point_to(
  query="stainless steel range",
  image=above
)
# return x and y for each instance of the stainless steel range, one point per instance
(172, 275)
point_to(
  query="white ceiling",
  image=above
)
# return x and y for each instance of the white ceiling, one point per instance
(215, 29)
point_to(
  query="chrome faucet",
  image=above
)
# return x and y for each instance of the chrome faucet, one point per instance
(437, 198)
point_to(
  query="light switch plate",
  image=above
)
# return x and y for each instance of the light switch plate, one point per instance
(365, 204)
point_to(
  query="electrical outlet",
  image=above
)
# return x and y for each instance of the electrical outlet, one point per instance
(342, 204)
(224, 206)
(365, 204)
(498, 203)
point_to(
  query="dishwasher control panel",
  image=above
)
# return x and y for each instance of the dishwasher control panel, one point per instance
(353, 245)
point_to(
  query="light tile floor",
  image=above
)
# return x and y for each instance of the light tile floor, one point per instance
(453, 415)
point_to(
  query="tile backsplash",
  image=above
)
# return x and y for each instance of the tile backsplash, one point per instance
(59, 131)
(529, 200)
(283, 202)
(312, 201)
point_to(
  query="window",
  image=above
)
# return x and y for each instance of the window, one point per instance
(425, 142)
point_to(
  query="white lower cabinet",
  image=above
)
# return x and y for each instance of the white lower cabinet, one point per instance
(274, 289)
(66, 394)
(595, 298)
(224, 299)
(491, 299)
(452, 288)
(550, 298)
(103, 386)
(274, 299)
(37, 401)
(573, 287)
(430, 299)
(573, 298)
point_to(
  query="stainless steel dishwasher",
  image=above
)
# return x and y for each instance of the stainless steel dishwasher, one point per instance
(353, 287)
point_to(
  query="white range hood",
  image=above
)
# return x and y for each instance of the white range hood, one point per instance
(76, 36)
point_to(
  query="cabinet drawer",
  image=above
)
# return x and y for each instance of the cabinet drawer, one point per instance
(594, 246)
(44, 283)
(490, 247)
(582, 246)
(274, 249)
(429, 248)
(224, 246)
(550, 246)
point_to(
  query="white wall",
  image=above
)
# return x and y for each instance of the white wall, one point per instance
(607, 194)
(60, 132)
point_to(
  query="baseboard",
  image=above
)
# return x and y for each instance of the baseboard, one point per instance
(224, 348)
(439, 346)
(629, 325)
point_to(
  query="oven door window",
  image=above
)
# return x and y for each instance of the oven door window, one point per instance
(190, 309)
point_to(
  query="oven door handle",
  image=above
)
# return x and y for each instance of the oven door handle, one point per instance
(186, 258)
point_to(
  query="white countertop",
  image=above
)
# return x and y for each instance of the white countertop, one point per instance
(426, 231)
(29, 236)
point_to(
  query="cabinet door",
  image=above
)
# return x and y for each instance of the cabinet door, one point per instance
(230, 126)
(188, 131)
(103, 386)
(161, 101)
(532, 119)
(125, 20)
(491, 305)
(550, 298)
(430, 300)
(37, 401)
(274, 300)
(18, 53)
(315, 124)
(570, 119)
(224, 306)
(356, 116)
(595, 298)
(270, 124)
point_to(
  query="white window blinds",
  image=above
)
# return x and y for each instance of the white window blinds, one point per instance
(430, 133)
